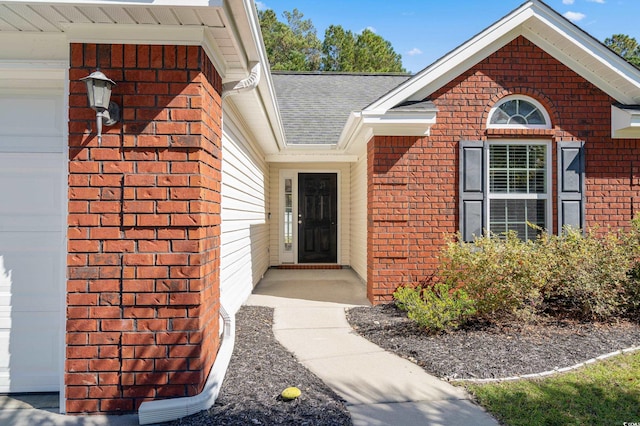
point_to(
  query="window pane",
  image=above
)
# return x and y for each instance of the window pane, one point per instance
(537, 182)
(517, 169)
(510, 107)
(518, 182)
(498, 181)
(536, 118)
(526, 108)
(288, 215)
(518, 156)
(499, 117)
(516, 215)
(498, 156)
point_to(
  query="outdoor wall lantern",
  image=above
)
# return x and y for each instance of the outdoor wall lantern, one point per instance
(99, 94)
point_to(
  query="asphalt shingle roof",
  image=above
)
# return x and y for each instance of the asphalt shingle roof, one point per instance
(315, 106)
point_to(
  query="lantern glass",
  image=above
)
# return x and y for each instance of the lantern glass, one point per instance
(98, 90)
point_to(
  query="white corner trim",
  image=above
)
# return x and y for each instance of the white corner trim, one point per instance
(625, 123)
(165, 410)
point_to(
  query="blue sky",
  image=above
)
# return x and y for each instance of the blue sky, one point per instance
(424, 30)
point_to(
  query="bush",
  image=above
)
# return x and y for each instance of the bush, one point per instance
(437, 307)
(592, 276)
(589, 274)
(503, 276)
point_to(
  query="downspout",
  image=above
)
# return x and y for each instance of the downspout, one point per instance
(165, 410)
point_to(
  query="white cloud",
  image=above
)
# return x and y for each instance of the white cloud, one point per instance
(597, 1)
(261, 5)
(568, 1)
(574, 16)
(372, 29)
(415, 51)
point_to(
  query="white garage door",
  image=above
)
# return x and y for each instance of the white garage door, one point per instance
(32, 248)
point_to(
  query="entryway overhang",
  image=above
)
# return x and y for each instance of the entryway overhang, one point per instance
(410, 118)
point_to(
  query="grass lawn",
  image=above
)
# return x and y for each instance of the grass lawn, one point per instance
(604, 393)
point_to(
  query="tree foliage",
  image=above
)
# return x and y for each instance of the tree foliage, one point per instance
(625, 46)
(294, 46)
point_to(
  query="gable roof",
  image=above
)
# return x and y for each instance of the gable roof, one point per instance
(544, 27)
(315, 106)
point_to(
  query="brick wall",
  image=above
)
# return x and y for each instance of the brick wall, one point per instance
(143, 235)
(413, 182)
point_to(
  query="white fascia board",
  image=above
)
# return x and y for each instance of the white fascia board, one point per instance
(584, 43)
(625, 123)
(245, 26)
(134, 34)
(400, 123)
(456, 62)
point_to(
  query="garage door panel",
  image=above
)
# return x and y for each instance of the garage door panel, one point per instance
(31, 191)
(30, 275)
(31, 123)
(32, 241)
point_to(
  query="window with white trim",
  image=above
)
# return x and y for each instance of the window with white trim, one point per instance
(518, 183)
(521, 112)
(505, 185)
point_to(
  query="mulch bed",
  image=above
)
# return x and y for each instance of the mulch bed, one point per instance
(483, 351)
(260, 369)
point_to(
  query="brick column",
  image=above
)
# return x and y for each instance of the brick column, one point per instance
(144, 227)
(388, 216)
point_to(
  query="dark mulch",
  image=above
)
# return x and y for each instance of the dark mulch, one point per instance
(260, 369)
(490, 351)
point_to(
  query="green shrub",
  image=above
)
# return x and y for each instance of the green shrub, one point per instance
(592, 276)
(437, 307)
(503, 276)
(589, 273)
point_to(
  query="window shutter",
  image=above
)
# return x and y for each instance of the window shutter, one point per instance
(472, 189)
(571, 185)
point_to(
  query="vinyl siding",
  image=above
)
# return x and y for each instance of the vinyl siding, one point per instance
(244, 229)
(344, 206)
(358, 238)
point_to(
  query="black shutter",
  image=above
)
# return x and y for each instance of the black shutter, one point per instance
(571, 185)
(472, 190)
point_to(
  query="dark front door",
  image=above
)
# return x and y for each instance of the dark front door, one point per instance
(317, 218)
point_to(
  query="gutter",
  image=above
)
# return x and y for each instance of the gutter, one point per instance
(165, 410)
(172, 409)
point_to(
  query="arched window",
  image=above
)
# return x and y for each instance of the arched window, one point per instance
(519, 112)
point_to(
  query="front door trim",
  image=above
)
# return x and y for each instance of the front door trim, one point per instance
(292, 257)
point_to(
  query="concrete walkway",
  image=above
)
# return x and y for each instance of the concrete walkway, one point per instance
(380, 388)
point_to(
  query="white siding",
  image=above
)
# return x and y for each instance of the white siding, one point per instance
(358, 238)
(244, 230)
(344, 193)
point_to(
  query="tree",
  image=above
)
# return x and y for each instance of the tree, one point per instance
(293, 46)
(339, 50)
(625, 46)
(375, 54)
